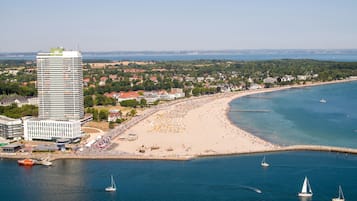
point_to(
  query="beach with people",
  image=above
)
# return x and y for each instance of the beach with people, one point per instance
(199, 127)
(185, 129)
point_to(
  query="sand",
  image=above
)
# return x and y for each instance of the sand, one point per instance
(196, 127)
(192, 128)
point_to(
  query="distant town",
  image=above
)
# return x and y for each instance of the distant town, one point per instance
(101, 95)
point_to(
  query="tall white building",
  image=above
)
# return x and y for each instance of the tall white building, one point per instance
(60, 85)
(60, 96)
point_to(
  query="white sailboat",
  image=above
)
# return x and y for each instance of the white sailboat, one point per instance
(112, 186)
(340, 195)
(264, 163)
(306, 190)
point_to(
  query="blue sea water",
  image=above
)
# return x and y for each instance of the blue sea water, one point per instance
(296, 116)
(244, 56)
(231, 178)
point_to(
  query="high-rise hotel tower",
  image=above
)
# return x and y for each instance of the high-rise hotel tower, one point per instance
(59, 83)
(60, 95)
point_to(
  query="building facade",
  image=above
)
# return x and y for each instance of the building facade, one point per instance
(51, 129)
(10, 128)
(60, 85)
(60, 97)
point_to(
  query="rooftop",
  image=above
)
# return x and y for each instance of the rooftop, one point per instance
(59, 52)
(5, 120)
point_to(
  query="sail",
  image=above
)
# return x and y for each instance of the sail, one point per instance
(304, 186)
(309, 187)
(113, 183)
(340, 193)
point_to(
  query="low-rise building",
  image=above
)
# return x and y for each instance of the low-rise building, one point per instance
(12, 148)
(270, 80)
(114, 115)
(51, 129)
(302, 77)
(10, 128)
(287, 78)
(130, 95)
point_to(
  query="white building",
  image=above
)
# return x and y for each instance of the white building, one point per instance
(51, 129)
(10, 128)
(60, 85)
(60, 96)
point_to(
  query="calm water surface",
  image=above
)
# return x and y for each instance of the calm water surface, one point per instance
(210, 179)
(297, 117)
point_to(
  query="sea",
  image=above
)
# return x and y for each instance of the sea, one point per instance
(242, 55)
(232, 178)
(296, 116)
(293, 116)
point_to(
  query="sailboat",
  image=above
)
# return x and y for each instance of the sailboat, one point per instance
(323, 101)
(306, 190)
(112, 186)
(264, 163)
(340, 195)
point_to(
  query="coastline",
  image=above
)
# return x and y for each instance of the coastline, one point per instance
(182, 132)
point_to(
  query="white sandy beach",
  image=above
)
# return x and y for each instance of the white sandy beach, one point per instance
(191, 128)
(194, 127)
(197, 127)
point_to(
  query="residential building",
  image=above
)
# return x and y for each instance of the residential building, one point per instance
(114, 115)
(130, 95)
(270, 80)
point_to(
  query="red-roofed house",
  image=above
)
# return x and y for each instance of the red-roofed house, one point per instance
(130, 95)
(114, 115)
(113, 77)
(153, 78)
(102, 81)
(87, 79)
(112, 94)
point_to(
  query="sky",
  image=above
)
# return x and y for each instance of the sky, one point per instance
(170, 25)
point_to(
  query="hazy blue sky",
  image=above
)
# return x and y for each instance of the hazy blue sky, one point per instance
(106, 25)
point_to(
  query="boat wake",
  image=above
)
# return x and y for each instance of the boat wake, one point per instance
(257, 190)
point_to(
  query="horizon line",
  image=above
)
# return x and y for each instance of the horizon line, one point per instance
(192, 50)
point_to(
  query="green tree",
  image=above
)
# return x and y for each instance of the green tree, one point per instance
(156, 102)
(111, 125)
(100, 99)
(133, 112)
(129, 103)
(103, 115)
(95, 115)
(196, 91)
(143, 102)
(88, 101)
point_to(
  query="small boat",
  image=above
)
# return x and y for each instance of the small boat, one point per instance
(264, 163)
(306, 190)
(112, 186)
(323, 101)
(340, 195)
(26, 162)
